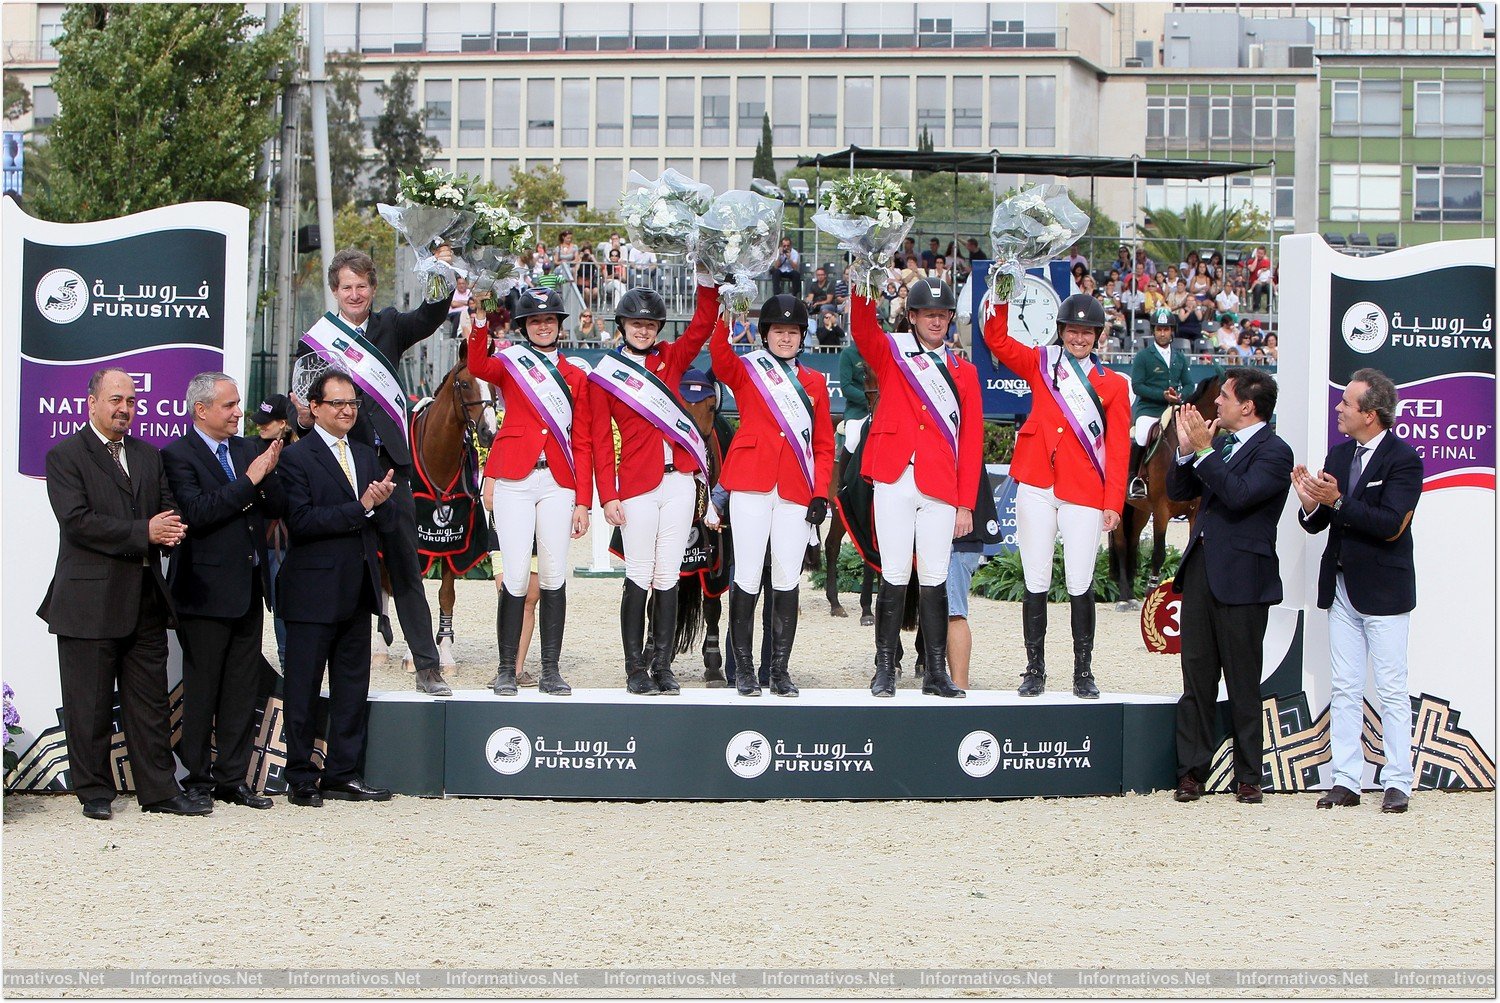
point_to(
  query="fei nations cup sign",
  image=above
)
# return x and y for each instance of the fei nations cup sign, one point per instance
(161, 294)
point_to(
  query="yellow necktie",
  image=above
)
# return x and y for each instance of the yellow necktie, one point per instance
(348, 470)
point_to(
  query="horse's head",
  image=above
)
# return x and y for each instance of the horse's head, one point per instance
(475, 403)
(1205, 396)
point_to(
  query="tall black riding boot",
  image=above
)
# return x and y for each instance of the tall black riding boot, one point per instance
(1137, 485)
(889, 605)
(552, 610)
(664, 641)
(1083, 645)
(508, 617)
(741, 630)
(932, 610)
(1034, 630)
(784, 608)
(633, 632)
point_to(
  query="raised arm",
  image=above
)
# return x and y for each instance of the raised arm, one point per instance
(481, 363)
(415, 325)
(727, 367)
(686, 348)
(864, 328)
(1018, 358)
(970, 434)
(822, 442)
(205, 509)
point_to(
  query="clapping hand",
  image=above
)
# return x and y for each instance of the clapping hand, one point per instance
(264, 463)
(378, 491)
(1194, 434)
(166, 529)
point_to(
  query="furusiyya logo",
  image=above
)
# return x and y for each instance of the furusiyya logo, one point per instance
(749, 754)
(62, 296)
(978, 754)
(1045, 756)
(1365, 327)
(509, 751)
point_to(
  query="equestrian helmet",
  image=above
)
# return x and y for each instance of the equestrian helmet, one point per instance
(1162, 317)
(641, 304)
(538, 301)
(782, 309)
(1079, 309)
(931, 294)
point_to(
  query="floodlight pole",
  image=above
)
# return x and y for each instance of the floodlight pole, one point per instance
(317, 76)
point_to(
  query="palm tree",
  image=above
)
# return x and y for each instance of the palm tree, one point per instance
(1170, 235)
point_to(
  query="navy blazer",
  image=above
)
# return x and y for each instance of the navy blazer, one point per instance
(1369, 537)
(331, 572)
(211, 570)
(1240, 502)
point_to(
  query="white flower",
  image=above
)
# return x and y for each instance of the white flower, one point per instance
(634, 220)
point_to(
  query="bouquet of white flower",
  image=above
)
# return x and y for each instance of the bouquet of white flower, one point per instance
(662, 215)
(432, 212)
(869, 215)
(496, 243)
(738, 236)
(1030, 227)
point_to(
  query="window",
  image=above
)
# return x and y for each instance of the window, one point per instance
(575, 174)
(595, 27)
(664, 25)
(339, 26)
(500, 172)
(681, 115)
(1156, 117)
(540, 109)
(1450, 194)
(968, 111)
(1286, 118)
(750, 110)
(470, 113)
(444, 30)
(786, 111)
(1265, 117)
(49, 27)
(1005, 112)
(505, 118)
(609, 182)
(932, 109)
(807, 25)
(945, 25)
(744, 169)
(575, 112)
(822, 111)
(721, 25)
(1366, 108)
(714, 173)
(645, 111)
(1218, 117)
(43, 105)
(646, 167)
(859, 111)
(1346, 102)
(873, 25)
(1198, 119)
(1364, 192)
(609, 111)
(438, 118)
(715, 100)
(1041, 111)
(895, 111)
(1176, 114)
(473, 168)
(1451, 108)
(370, 107)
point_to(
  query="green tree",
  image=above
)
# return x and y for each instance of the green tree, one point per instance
(539, 195)
(764, 165)
(161, 103)
(17, 97)
(345, 134)
(400, 138)
(1169, 235)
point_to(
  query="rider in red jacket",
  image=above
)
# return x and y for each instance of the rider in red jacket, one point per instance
(776, 472)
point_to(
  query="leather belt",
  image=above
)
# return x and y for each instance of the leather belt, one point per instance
(541, 463)
(669, 468)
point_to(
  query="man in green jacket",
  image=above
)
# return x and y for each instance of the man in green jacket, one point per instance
(1159, 376)
(853, 371)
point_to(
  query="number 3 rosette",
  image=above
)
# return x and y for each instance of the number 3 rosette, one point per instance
(869, 215)
(1030, 227)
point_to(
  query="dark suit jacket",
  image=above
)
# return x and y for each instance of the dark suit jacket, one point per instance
(331, 572)
(102, 519)
(393, 332)
(209, 573)
(1370, 534)
(1240, 502)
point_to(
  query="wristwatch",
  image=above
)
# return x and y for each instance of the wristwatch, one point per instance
(1338, 503)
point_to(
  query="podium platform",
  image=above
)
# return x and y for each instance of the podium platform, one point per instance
(827, 744)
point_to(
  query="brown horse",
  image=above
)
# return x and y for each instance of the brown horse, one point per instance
(837, 530)
(443, 435)
(1156, 507)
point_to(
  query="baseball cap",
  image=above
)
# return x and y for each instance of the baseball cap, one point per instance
(273, 408)
(696, 386)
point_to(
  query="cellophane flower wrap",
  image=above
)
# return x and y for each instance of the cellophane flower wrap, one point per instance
(661, 216)
(869, 215)
(738, 237)
(432, 209)
(492, 257)
(1030, 227)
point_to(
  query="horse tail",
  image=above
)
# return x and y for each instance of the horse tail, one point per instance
(909, 614)
(689, 612)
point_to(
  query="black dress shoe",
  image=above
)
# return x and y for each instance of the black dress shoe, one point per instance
(1395, 801)
(202, 795)
(1339, 797)
(1248, 794)
(355, 789)
(244, 794)
(179, 804)
(1188, 789)
(98, 808)
(305, 795)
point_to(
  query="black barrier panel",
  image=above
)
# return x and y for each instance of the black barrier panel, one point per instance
(649, 750)
(405, 748)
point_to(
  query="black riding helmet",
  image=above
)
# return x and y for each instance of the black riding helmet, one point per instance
(538, 301)
(783, 309)
(1080, 309)
(931, 294)
(641, 304)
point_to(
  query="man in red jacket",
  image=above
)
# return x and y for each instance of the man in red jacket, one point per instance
(923, 452)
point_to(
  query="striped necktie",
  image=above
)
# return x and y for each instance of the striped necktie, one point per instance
(348, 469)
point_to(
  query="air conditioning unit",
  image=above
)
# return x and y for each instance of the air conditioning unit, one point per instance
(1134, 63)
(1257, 56)
(1299, 57)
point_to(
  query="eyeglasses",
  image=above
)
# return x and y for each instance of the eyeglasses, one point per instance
(342, 405)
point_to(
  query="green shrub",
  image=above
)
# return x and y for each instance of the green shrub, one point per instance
(1003, 579)
(851, 570)
(999, 442)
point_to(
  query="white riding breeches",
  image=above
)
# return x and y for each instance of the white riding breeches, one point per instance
(761, 517)
(1143, 426)
(538, 508)
(905, 518)
(1040, 517)
(656, 530)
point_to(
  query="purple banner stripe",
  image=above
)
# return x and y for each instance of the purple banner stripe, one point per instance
(524, 382)
(803, 460)
(1090, 446)
(614, 390)
(906, 370)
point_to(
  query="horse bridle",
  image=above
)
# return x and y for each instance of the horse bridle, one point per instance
(461, 389)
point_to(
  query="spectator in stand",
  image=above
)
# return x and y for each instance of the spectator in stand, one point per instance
(586, 276)
(1263, 277)
(612, 244)
(1133, 301)
(1143, 259)
(888, 297)
(743, 333)
(1270, 346)
(1172, 276)
(1088, 285)
(589, 329)
(1229, 334)
(820, 293)
(1177, 295)
(1122, 261)
(1201, 283)
(1156, 295)
(1189, 266)
(1115, 277)
(550, 277)
(908, 248)
(972, 252)
(540, 258)
(912, 272)
(1138, 279)
(1246, 348)
(616, 278)
(458, 304)
(786, 270)
(642, 266)
(930, 256)
(841, 297)
(900, 323)
(1189, 316)
(1079, 271)
(830, 333)
(1216, 266)
(939, 270)
(1228, 301)
(565, 255)
(1075, 258)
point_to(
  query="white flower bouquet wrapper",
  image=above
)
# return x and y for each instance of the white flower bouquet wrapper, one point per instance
(738, 237)
(869, 216)
(1029, 228)
(432, 210)
(661, 216)
(492, 259)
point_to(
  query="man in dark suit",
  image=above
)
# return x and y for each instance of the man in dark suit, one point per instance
(219, 578)
(351, 277)
(108, 604)
(1365, 496)
(1230, 577)
(327, 590)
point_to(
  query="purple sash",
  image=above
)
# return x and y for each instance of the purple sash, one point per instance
(546, 391)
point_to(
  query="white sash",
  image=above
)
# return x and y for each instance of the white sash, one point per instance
(781, 390)
(644, 393)
(1068, 382)
(932, 382)
(546, 390)
(336, 343)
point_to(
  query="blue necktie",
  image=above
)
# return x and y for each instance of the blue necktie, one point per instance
(223, 454)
